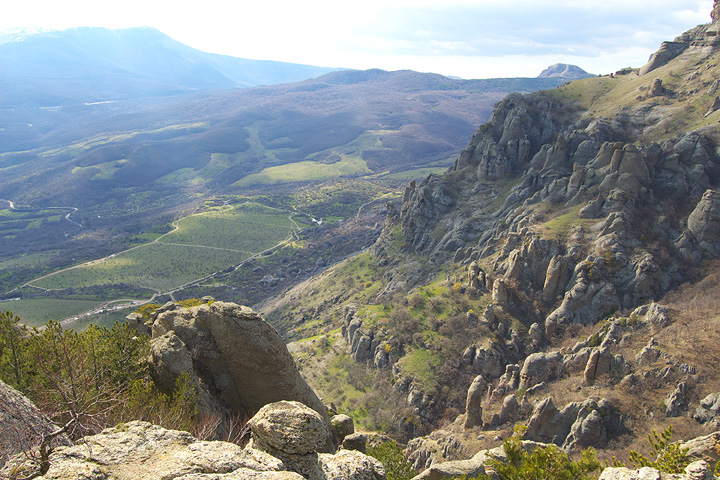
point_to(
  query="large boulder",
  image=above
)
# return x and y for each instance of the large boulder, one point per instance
(293, 433)
(22, 425)
(704, 448)
(237, 359)
(541, 367)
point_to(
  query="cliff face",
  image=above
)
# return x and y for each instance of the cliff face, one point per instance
(637, 197)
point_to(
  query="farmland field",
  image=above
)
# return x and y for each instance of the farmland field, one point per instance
(156, 266)
(249, 227)
(37, 311)
(201, 245)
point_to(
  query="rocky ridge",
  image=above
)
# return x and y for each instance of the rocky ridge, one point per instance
(286, 437)
(569, 215)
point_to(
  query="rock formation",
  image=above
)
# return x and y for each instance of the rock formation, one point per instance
(473, 407)
(289, 431)
(704, 221)
(699, 470)
(22, 425)
(237, 360)
(708, 413)
(578, 425)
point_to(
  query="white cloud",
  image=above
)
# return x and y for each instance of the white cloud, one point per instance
(471, 38)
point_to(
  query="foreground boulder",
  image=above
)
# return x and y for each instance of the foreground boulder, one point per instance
(22, 425)
(140, 450)
(699, 470)
(235, 358)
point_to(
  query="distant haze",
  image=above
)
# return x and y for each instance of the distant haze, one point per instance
(464, 38)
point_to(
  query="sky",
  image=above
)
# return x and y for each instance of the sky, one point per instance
(462, 38)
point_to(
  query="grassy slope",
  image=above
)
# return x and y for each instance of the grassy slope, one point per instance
(689, 77)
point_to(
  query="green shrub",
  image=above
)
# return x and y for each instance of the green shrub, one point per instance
(391, 455)
(90, 380)
(669, 457)
(543, 463)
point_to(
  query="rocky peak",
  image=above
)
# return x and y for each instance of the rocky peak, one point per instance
(716, 12)
(563, 70)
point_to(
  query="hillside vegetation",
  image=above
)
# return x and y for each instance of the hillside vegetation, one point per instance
(561, 276)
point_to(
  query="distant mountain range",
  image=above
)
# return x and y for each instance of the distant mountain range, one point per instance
(92, 115)
(43, 69)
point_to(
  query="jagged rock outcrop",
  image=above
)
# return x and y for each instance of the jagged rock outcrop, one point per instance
(237, 360)
(366, 344)
(704, 221)
(704, 448)
(440, 446)
(599, 363)
(695, 471)
(676, 402)
(22, 425)
(708, 413)
(578, 425)
(472, 467)
(140, 450)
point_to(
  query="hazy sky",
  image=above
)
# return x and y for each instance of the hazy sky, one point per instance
(470, 39)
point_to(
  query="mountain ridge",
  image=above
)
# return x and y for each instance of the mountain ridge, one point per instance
(124, 63)
(530, 272)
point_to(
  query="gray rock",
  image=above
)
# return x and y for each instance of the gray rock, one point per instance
(233, 352)
(143, 451)
(676, 403)
(139, 450)
(473, 403)
(500, 292)
(510, 409)
(22, 425)
(351, 465)
(288, 427)
(355, 441)
(599, 363)
(704, 221)
(578, 425)
(342, 426)
(699, 470)
(541, 367)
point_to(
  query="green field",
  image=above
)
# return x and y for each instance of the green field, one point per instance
(249, 227)
(156, 266)
(37, 311)
(415, 174)
(202, 245)
(306, 171)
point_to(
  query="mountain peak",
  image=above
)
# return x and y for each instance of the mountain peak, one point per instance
(565, 71)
